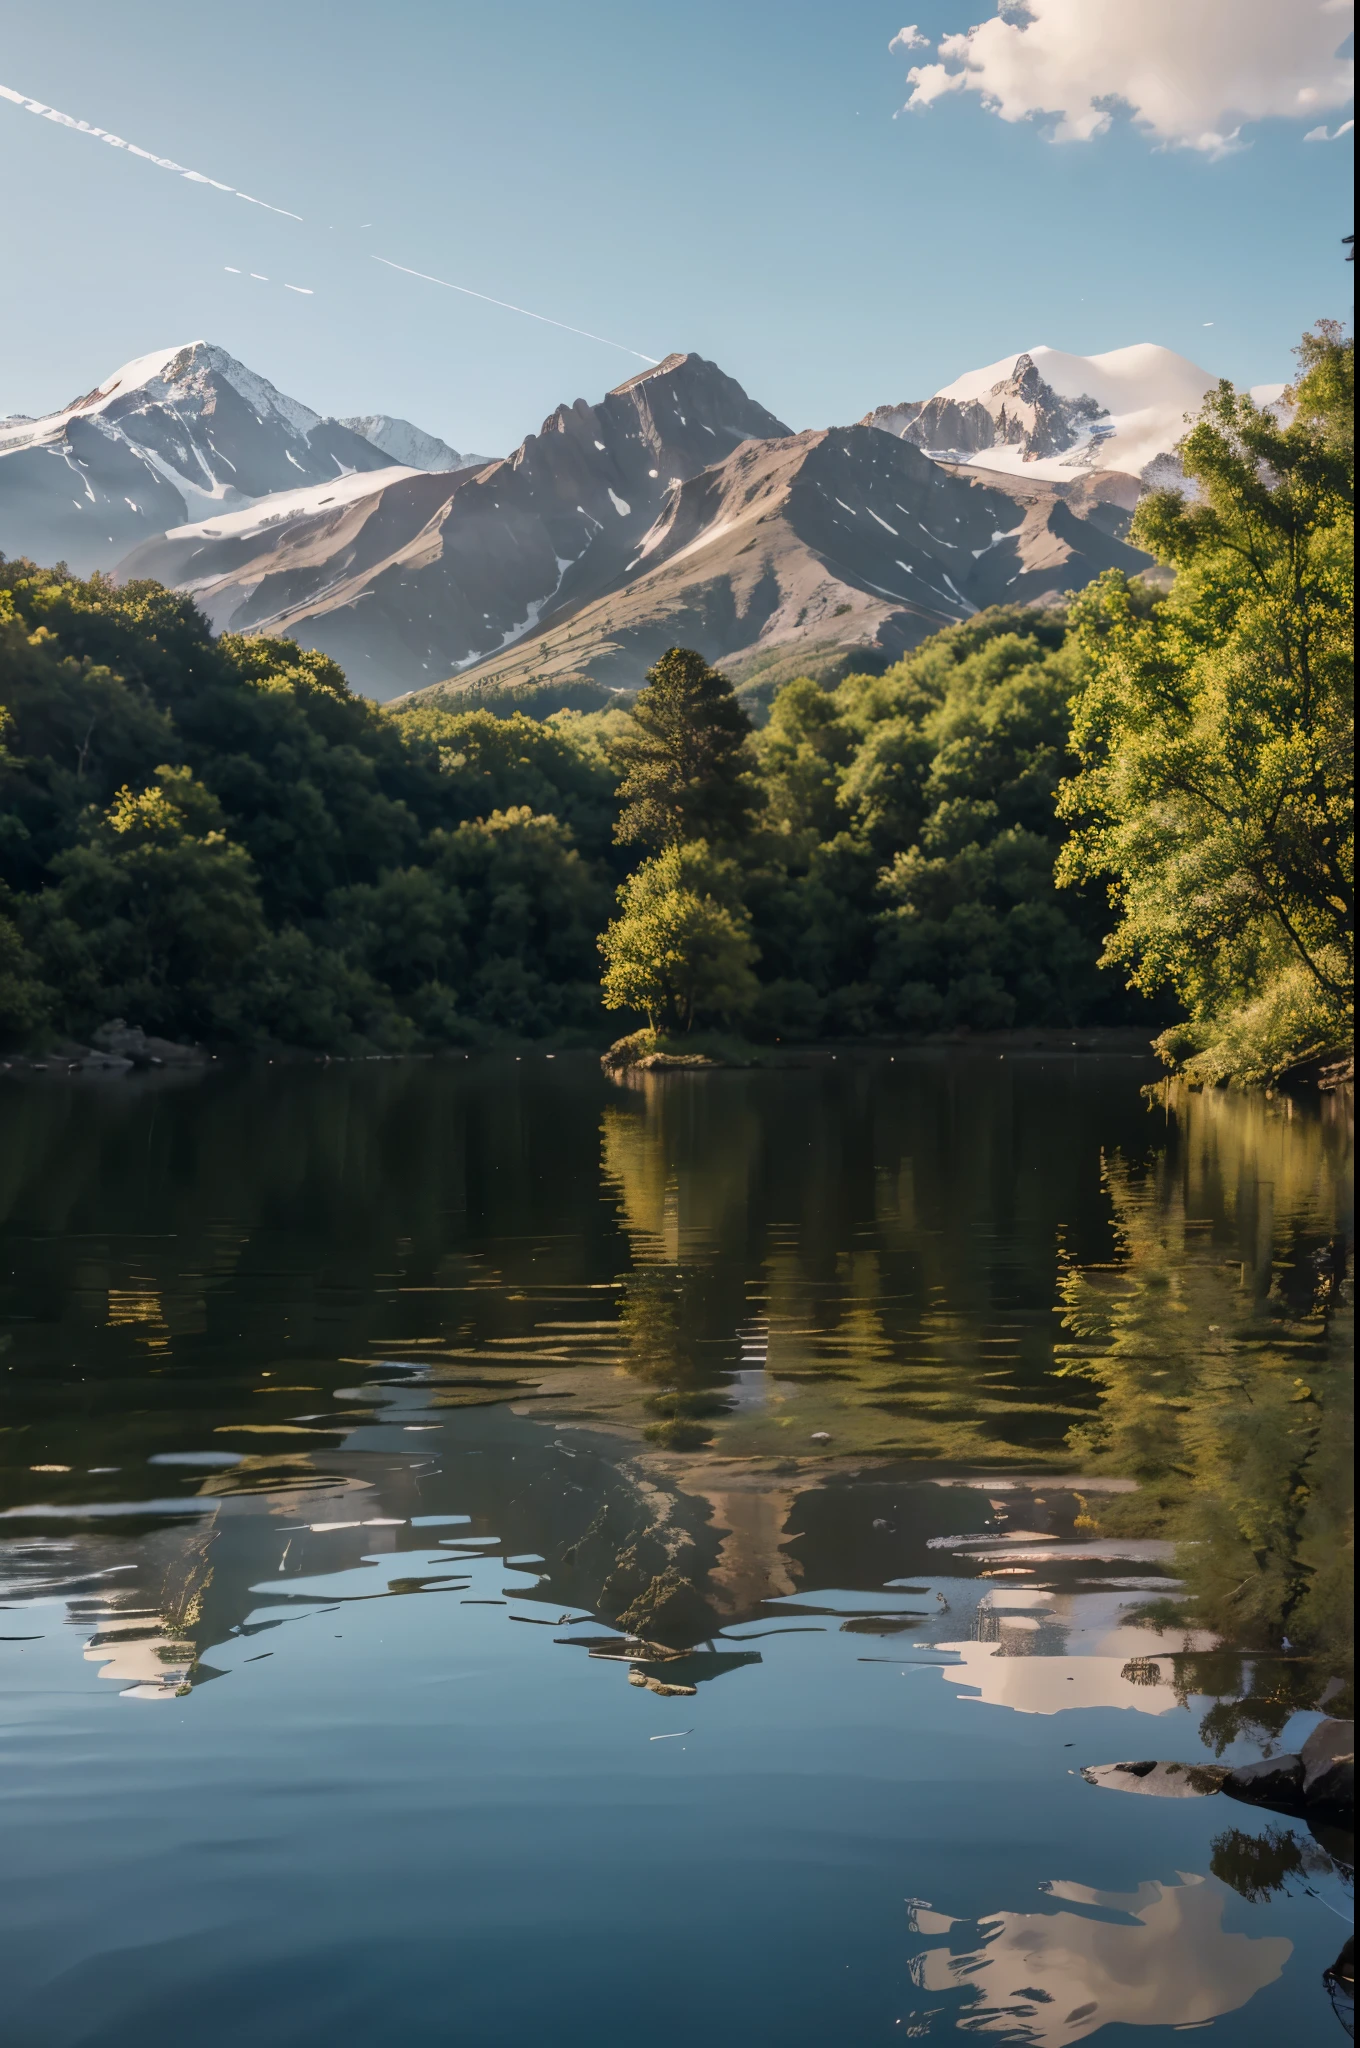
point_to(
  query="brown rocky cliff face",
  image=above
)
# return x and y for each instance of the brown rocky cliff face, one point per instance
(470, 563)
(1019, 411)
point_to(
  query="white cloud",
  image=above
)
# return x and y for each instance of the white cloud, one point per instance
(909, 39)
(1321, 135)
(1189, 76)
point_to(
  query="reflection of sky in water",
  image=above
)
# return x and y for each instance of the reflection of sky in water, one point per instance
(407, 1737)
(316, 1723)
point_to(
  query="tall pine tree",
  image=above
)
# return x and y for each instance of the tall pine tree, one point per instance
(685, 762)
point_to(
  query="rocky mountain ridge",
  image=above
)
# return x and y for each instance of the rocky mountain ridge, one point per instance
(1050, 414)
(1020, 411)
(419, 576)
(176, 435)
(815, 552)
(614, 530)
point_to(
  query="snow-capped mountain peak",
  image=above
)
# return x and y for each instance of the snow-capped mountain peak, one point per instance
(1049, 413)
(179, 435)
(186, 377)
(1120, 380)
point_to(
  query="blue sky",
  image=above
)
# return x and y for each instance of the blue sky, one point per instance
(714, 176)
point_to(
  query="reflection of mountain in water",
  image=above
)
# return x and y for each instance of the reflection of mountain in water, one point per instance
(303, 1271)
(332, 1385)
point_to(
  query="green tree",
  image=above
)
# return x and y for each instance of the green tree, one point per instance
(1215, 736)
(680, 950)
(802, 754)
(685, 760)
(906, 878)
(425, 876)
(155, 916)
(502, 761)
(533, 907)
(25, 1003)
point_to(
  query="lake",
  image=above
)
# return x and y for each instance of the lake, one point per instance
(494, 1555)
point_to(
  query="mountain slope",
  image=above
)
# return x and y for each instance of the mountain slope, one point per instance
(1049, 414)
(822, 548)
(424, 575)
(173, 435)
(179, 435)
(411, 446)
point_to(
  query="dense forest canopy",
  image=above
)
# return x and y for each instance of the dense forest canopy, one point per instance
(218, 840)
(1117, 813)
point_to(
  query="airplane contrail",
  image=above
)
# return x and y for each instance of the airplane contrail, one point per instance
(505, 304)
(164, 163)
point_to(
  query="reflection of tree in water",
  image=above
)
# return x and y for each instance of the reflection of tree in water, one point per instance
(882, 1246)
(1219, 1340)
(681, 1194)
(680, 1162)
(661, 1349)
(1258, 1866)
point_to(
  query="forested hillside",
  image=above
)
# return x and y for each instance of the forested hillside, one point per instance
(216, 839)
(1132, 811)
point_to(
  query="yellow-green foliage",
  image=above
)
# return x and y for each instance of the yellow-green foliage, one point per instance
(1215, 734)
(680, 950)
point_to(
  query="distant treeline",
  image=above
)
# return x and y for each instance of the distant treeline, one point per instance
(217, 840)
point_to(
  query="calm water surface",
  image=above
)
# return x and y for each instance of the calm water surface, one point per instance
(493, 1556)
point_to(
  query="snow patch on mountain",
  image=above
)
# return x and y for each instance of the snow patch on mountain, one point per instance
(282, 507)
(410, 445)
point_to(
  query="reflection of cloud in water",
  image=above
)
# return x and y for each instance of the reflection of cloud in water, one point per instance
(136, 1651)
(1070, 1650)
(1003, 1674)
(1048, 1979)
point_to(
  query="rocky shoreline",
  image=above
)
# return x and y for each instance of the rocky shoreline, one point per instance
(1317, 1783)
(115, 1048)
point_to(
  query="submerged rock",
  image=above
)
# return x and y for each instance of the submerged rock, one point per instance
(1275, 1781)
(659, 1685)
(1318, 1784)
(1328, 1761)
(1159, 1780)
